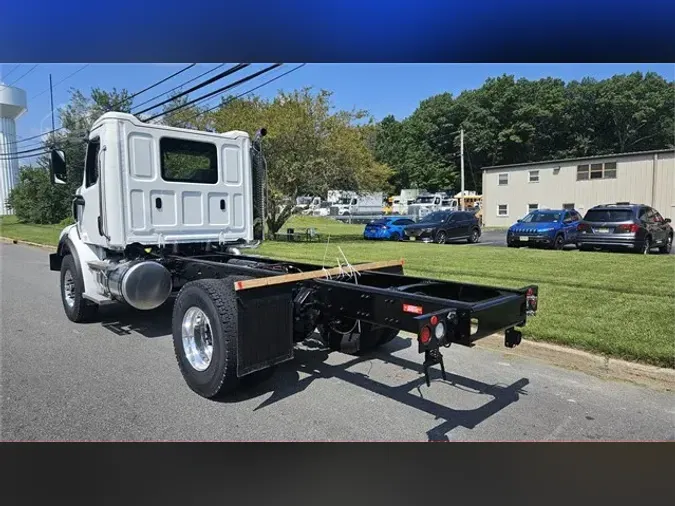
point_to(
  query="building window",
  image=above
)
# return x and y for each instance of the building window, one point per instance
(503, 210)
(596, 171)
(532, 207)
(188, 161)
(503, 179)
(534, 176)
(568, 207)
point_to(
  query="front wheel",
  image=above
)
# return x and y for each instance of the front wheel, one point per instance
(77, 308)
(559, 242)
(395, 236)
(666, 248)
(441, 237)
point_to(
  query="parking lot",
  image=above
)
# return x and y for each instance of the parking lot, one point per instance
(118, 380)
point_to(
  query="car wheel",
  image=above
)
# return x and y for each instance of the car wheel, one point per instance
(646, 246)
(395, 236)
(441, 237)
(473, 238)
(559, 242)
(668, 246)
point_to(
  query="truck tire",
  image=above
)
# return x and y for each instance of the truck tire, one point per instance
(371, 338)
(204, 327)
(77, 308)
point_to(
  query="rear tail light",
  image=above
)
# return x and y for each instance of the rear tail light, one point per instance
(583, 227)
(630, 228)
(425, 335)
(531, 301)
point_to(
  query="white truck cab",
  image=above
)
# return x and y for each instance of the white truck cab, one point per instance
(148, 185)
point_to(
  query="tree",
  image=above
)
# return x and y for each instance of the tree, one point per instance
(309, 148)
(77, 117)
(188, 116)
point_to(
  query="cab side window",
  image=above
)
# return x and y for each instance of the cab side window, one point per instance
(91, 163)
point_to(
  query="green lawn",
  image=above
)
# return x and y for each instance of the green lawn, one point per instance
(616, 304)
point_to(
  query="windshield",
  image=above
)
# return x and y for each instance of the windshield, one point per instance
(424, 200)
(437, 216)
(345, 201)
(540, 217)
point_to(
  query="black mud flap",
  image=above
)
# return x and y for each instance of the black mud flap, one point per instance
(55, 260)
(265, 328)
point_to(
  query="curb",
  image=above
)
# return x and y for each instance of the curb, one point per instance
(561, 356)
(597, 365)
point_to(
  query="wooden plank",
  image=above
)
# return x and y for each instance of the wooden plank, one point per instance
(303, 276)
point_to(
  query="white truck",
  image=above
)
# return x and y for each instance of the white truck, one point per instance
(426, 203)
(353, 204)
(167, 212)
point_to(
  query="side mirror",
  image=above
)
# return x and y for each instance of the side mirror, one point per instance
(57, 167)
(668, 220)
(520, 221)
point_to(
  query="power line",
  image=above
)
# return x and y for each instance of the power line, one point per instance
(8, 73)
(116, 104)
(215, 78)
(61, 81)
(219, 90)
(179, 86)
(22, 76)
(247, 92)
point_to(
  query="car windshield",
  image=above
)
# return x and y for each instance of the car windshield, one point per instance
(424, 200)
(437, 216)
(345, 201)
(609, 215)
(539, 217)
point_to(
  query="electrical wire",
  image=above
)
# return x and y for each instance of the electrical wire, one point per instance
(179, 86)
(219, 90)
(160, 82)
(213, 79)
(21, 77)
(61, 81)
(8, 73)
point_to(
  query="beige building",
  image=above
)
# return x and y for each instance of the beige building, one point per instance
(511, 191)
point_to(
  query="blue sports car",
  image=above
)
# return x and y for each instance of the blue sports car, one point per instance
(552, 228)
(389, 228)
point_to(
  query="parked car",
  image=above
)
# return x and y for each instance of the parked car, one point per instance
(391, 228)
(551, 228)
(443, 226)
(634, 227)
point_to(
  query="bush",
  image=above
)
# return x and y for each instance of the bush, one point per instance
(36, 200)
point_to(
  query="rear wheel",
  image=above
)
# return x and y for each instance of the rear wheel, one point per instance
(475, 234)
(441, 237)
(205, 335)
(666, 248)
(646, 246)
(77, 308)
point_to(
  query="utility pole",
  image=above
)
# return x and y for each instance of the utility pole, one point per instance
(461, 154)
(51, 94)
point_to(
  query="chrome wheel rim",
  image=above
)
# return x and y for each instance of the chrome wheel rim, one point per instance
(197, 335)
(69, 288)
(441, 238)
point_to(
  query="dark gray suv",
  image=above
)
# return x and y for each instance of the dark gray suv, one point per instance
(635, 227)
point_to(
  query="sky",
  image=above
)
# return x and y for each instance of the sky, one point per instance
(380, 89)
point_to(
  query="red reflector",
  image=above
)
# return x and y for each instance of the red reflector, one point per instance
(530, 292)
(434, 320)
(409, 308)
(425, 335)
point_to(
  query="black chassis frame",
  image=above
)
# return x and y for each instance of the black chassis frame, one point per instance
(379, 297)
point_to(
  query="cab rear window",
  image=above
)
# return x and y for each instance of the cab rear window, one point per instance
(609, 215)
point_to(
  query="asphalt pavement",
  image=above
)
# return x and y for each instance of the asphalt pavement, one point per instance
(498, 238)
(117, 380)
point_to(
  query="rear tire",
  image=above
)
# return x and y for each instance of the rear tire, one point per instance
(216, 299)
(646, 246)
(77, 308)
(666, 248)
(475, 235)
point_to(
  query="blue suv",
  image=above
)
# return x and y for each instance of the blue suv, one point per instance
(552, 228)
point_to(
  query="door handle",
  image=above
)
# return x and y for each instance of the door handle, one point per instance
(158, 203)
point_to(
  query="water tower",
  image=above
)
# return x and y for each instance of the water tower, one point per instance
(12, 105)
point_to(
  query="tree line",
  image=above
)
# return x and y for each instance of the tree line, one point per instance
(311, 147)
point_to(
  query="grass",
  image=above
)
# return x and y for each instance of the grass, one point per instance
(620, 305)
